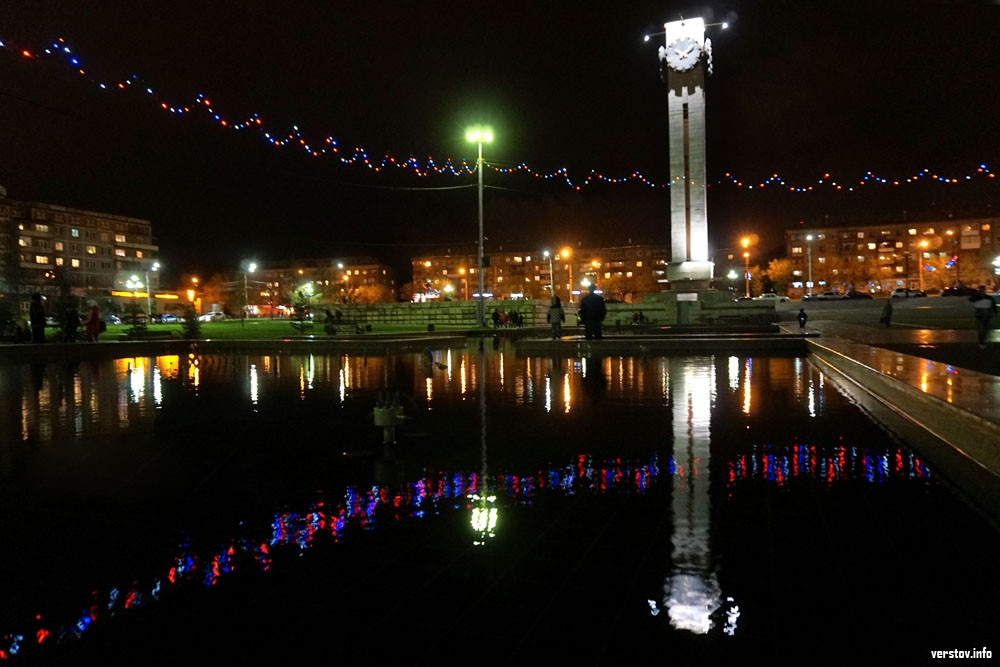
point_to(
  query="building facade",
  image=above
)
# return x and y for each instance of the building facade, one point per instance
(271, 289)
(622, 273)
(65, 252)
(928, 255)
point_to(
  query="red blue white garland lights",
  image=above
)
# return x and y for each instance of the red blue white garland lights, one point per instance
(358, 156)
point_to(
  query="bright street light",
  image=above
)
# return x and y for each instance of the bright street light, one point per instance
(154, 267)
(478, 135)
(251, 267)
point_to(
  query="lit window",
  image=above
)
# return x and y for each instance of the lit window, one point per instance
(75, 263)
(59, 261)
(986, 227)
(444, 272)
(628, 274)
(796, 250)
(119, 252)
(861, 235)
(75, 233)
(899, 244)
(518, 260)
(41, 259)
(59, 245)
(24, 241)
(42, 228)
(871, 246)
(92, 250)
(861, 258)
(638, 264)
(138, 254)
(822, 260)
(911, 232)
(607, 274)
(119, 238)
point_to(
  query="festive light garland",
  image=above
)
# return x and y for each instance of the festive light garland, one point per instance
(359, 157)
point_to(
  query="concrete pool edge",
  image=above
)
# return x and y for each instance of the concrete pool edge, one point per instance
(962, 446)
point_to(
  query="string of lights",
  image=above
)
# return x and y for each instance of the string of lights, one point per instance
(357, 156)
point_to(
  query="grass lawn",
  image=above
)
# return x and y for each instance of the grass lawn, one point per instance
(276, 329)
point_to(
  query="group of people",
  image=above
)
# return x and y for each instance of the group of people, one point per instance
(509, 319)
(34, 328)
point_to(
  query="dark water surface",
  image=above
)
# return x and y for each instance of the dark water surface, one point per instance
(683, 509)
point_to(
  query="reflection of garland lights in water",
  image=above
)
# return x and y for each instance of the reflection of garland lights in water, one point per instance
(843, 463)
(430, 495)
(302, 531)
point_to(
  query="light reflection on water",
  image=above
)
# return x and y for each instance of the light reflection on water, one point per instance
(625, 424)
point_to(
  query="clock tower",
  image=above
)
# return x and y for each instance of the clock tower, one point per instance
(684, 59)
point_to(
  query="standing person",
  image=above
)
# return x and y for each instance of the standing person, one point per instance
(36, 315)
(556, 316)
(802, 320)
(985, 307)
(886, 314)
(592, 312)
(71, 322)
(92, 321)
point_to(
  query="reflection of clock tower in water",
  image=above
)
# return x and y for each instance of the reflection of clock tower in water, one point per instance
(683, 61)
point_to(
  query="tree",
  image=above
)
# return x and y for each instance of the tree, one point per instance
(372, 294)
(779, 274)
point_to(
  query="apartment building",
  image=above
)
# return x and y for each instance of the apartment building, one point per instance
(927, 255)
(62, 251)
(620, 272)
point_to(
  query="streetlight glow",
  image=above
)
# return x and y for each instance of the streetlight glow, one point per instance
(478, 135)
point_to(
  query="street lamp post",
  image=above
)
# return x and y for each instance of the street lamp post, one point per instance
(478, 136)
(565, 252)
(251, 267)
(923, 247)
(809, 256)
(154, 267)
(745, 242)
(552, 284)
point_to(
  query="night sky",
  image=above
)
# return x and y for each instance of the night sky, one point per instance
(800, 89)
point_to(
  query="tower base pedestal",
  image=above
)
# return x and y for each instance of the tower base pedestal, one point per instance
(690, 275)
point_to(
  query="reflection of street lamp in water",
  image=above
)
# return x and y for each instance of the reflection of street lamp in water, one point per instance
(482, 502)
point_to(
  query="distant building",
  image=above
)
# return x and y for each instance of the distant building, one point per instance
(269, 289)
(621, 272)
(880, 257)
(66, 252)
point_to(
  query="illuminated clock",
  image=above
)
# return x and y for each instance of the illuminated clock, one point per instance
(682, 54)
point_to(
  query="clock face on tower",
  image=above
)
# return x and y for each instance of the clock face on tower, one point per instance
(682, 54)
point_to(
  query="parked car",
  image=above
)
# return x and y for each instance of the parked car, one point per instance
(213, 316)
(810, 296)
(959, 291)
(854, 294)
(112, 319)
(770, 296)
(903, 293)
(830, 296)
(165, 318)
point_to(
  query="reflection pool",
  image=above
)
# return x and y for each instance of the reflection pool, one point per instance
(251, 505)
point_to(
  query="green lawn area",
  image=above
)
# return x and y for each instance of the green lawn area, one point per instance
(276, 329)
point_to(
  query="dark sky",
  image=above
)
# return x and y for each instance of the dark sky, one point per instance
(800, 89)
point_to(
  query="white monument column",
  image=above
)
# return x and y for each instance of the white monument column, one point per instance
(684, 59)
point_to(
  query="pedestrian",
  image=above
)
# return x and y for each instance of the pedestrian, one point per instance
(36, 315)
(886, 314)
(556, 316)
(71, 323)
(592, 312)
(802, 320)
(985, 307)
(92, 321)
